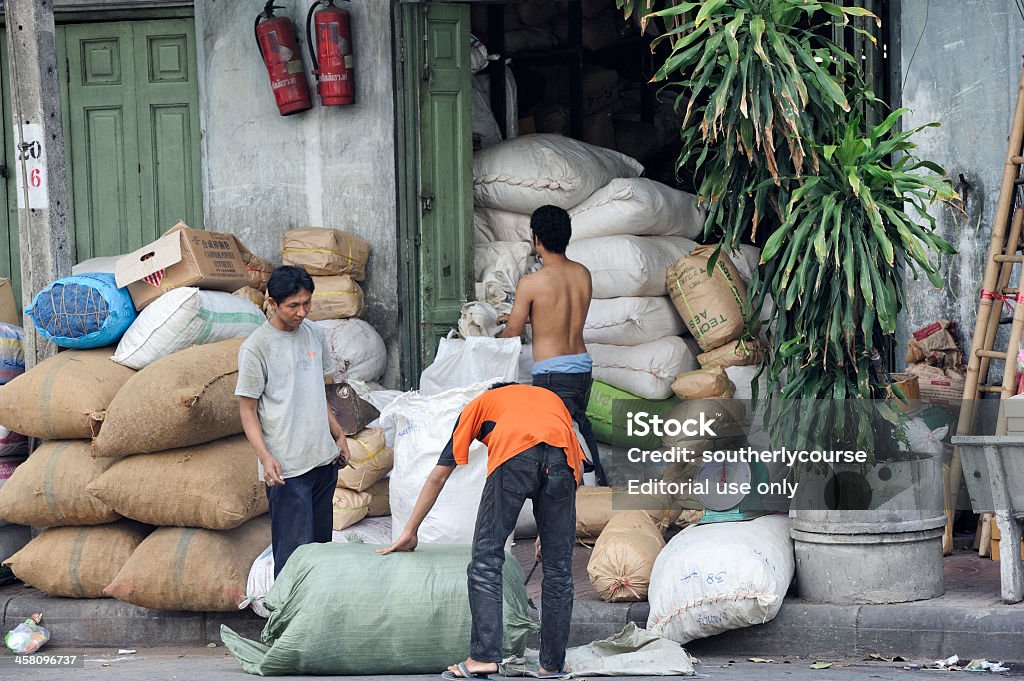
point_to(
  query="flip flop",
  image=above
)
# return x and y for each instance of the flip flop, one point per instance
(552, 675)
(464, 673)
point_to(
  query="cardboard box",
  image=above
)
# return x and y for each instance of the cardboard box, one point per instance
(182, 257)
(8, 308)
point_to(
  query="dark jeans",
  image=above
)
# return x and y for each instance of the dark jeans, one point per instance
(301, 511)
(574, 389)
(542, 474)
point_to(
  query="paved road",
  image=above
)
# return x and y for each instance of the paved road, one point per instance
(216, 664)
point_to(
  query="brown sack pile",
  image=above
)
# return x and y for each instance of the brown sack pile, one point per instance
(735, 353)
(623, 558)
(77, 562)
(703, 383)
(60, 398)
(337, 297)
(258, 269)
(214, 486)
(711, 307)
(595, 506)
(184, 568)
(181, 400)
(349, 507)
(49, 488)
(370, 459)
(325, 252)
(380, 499)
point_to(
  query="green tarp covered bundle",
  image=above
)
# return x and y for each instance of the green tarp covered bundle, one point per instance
(343, 609)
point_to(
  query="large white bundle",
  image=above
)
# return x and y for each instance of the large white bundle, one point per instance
(423, 426)
(629, 265)
(357, 350)
(646, 370)
(184, 317)
(460, 363)
(495, 224)
(631, 320)
(722, 576)
(637, 206)
(501, 262)
(528, 172)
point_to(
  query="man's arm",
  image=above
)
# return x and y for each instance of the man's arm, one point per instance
(247, 409)
(424, 502)
(516, 321)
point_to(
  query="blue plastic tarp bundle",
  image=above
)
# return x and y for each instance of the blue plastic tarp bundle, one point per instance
(12, 352)
(83, 311)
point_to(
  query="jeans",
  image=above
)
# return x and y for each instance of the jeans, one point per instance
(542, 474)
(301, 511)
(574, 389)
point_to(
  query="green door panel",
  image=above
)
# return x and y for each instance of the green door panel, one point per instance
(446, 181)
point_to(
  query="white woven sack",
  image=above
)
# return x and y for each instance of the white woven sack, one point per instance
(357, 350)
(502, 262)
(462, 362)
(423, 425)
(745, 260)
(184, 317)
(629, 265)
(494, 224)
(637, 206)
(528, 172)
(106, 263)
(713, 578)
(631, 320)
(645, 370)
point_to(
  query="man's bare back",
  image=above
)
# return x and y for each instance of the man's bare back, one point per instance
(555, 300)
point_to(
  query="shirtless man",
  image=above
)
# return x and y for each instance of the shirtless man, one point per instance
(555, 299)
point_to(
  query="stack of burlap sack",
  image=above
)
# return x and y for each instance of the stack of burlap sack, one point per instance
(363, 486)
(149, 491)
(13, 446)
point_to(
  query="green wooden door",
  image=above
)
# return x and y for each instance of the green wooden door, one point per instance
(445, 172)
(134, 132)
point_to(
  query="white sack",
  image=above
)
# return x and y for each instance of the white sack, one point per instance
(481, 319)
(743, 378)
(502, 262)
(527, 172)
(745, 260)
(463, 362)
(721, 576)
(106, 263)
(184, 317)
(637, 206)
(495, 224)
(631, 320)
(482, 90)
(357, 350)
(646, 370)
(423, 425)
(629, 265)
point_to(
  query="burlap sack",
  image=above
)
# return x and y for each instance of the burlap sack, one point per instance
(258, 269)
(181, 400)
(711, 307)
(49, 489)
(595, 506)
(623, 558)
(77, 562)
(254, 296)
(370, 460)
(184, 568)
(58, 398)
(215, 486)
(703, 383)
(325, 252)
(735, 353)
(336, 298)
(380, 498)
(349, 507)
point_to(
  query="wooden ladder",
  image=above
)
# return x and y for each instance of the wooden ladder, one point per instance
(1004, 251)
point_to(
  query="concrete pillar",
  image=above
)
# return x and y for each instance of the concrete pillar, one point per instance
(39, 155)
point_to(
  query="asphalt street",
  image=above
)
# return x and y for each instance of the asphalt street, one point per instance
(216, 664)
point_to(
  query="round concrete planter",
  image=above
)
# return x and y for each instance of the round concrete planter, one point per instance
(881, 542)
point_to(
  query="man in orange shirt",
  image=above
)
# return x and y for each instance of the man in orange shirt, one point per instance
(532, 453)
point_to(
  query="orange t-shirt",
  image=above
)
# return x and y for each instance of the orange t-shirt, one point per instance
(510, 420)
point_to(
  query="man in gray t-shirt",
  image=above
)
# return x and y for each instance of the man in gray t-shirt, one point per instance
(284, 412)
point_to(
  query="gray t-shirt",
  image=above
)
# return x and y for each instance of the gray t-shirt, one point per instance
(285, 370)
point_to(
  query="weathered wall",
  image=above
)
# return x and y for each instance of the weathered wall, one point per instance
(961, 61)
(264, 174)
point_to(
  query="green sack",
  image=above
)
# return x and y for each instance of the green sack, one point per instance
(600, 412)
(342, 609)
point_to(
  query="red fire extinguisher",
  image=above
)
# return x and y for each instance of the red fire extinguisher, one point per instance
(276, 39)
(332, 53)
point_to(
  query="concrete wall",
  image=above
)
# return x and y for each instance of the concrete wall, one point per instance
(264, 174)
(961, 62)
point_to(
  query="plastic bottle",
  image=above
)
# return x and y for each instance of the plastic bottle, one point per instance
(27, 637)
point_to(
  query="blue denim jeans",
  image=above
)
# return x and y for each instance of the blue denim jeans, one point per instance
(301, 511)
(542, 474)
(574, 389)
